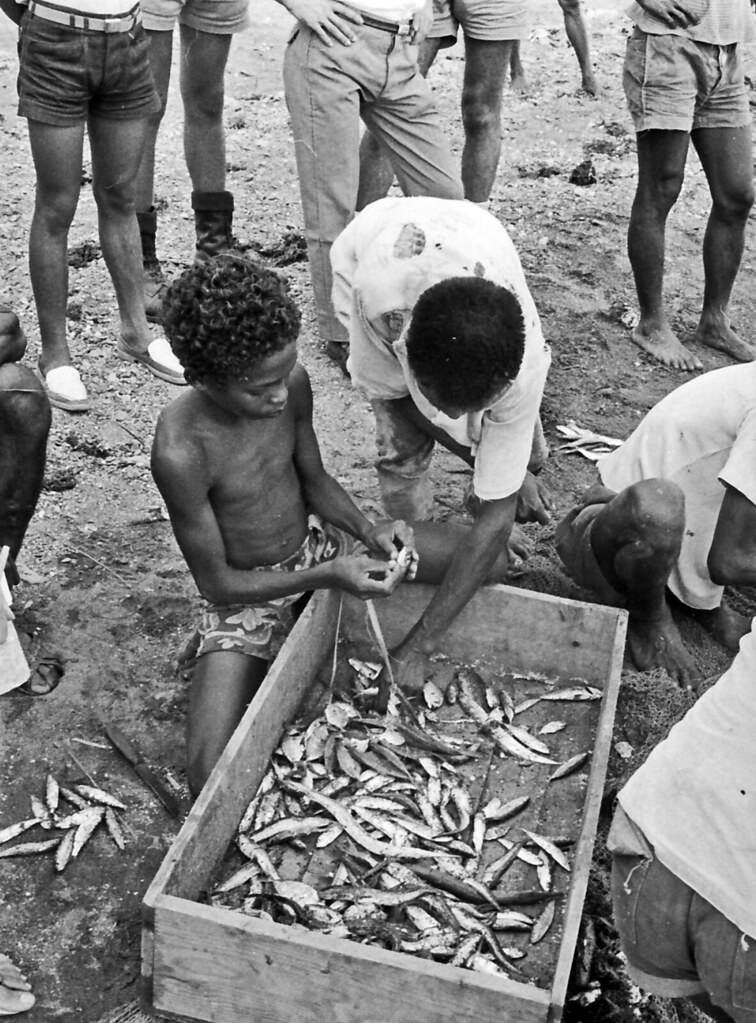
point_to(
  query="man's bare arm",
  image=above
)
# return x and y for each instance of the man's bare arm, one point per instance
(732, 555)
(469, 569)
(330, 20)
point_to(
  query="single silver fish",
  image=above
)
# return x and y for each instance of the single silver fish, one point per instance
(14, 830)
(96, 795)
(64, 850)
(28, 848)
(86, 829)
(550, 849)
(52, 794)
(114, 827)
(570, 766)
(543, 924)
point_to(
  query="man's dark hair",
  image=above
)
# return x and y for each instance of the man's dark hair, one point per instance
(226, 314)
(466, 340)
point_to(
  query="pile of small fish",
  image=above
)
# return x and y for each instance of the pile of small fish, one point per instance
(418, 861)
(91, 807)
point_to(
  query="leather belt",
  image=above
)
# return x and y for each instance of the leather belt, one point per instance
(91, 23)
(397, 28)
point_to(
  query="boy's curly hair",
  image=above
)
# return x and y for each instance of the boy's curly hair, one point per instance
(224, 315)
(466, 341)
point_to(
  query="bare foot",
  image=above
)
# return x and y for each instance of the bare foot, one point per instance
(720, 335)
(15, 991)
(657, 643)
(726, 625)
(589, 84)
(662, 344)
(519, 84)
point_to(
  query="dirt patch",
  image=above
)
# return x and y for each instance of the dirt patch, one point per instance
(103, 580)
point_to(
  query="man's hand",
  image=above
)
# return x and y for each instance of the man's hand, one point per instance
(518, 548)
(329, 19)
(411, 667)
(676, 13)
(365, 577)
(421, 23)
(391, 539)
(534, 502)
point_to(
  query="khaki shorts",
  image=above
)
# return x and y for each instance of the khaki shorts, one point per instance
(673, 83)
(485, 20)
(216, 17)
(676, 943)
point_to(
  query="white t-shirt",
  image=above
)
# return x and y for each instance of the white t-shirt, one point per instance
(388, 10)
(722, 22)
(694, 798)
(699, 436)
(446, 238)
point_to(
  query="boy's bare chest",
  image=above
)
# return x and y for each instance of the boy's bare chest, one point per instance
(250, 460)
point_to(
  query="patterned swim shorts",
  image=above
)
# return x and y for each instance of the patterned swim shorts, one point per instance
(258, 630)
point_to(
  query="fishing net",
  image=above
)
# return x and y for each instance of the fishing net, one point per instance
(131, 1013)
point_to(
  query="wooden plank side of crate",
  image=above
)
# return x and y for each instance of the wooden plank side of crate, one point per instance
(211, 823)
(591, 807)
(216, 965)
(524, 630)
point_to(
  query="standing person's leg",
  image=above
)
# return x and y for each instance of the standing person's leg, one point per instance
(376, 172)
(403, 115)
(661, 168)
(404, 458)
(486, 65)
(577, 33)
(516, 71)
(725, 155)
(204, 56)
(56, 153)
(323, 98)
(154, 286)
(117, 147)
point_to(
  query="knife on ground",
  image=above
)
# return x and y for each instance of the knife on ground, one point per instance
(130, 753)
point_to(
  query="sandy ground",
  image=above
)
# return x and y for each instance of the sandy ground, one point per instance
(102, 577)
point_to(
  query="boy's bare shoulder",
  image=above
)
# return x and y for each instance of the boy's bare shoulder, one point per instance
(179, 431)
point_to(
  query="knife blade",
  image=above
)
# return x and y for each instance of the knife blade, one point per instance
(131, 754)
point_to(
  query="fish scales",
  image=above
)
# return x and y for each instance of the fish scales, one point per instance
(14, 830)
(28, 848)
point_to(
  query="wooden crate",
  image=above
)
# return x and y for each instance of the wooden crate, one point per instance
(204, 963)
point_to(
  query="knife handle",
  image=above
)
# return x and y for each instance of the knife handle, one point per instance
(123, 745)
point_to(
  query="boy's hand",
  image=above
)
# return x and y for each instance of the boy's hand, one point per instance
(364, 576)
(410, 667)
(328, 19)
(396, 540)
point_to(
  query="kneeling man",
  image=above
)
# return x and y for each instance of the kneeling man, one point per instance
(674, 516)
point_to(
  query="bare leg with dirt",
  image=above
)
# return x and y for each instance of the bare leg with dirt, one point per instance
(725, 155)
(661, 168)
(636, 539)
(486, 65)
(223, 683)
(577, 33)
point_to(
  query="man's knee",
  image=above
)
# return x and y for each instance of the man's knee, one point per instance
(481, 113)
(655, 510)
(116, 198)
(734, 205)
(23, 399)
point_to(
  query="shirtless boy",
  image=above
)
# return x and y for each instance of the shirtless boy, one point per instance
(238, 465)
(674, 517)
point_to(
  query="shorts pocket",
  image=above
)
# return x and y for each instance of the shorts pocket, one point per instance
(629, 875)
(744, 974)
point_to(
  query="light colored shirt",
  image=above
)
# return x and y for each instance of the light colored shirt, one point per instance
(694, 798)
(391, 253)
(722, 22)
(699, 436)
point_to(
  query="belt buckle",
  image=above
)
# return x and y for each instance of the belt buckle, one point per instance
(404, 29)
(112, 25)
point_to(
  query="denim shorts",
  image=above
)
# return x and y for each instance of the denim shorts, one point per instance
(485, 20)
(216, 17)
(676, 943)
(673, 83)
(67, 74)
